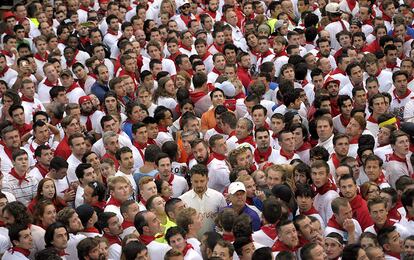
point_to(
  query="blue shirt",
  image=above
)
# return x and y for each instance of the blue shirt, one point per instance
(99, 91)
(253, 216)
(127, 128)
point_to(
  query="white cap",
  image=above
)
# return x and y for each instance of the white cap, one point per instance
(332, 8)
(236, 186)
(228, 88)
(180, 3)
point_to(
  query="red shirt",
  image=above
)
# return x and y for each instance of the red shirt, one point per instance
(63, 149)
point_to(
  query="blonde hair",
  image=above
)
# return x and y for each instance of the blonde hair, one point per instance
(115, 180)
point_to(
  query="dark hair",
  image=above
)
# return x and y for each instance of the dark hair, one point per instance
(14, 231)
(50, 232)
(130, 250)
(85, 246)
(172, 231)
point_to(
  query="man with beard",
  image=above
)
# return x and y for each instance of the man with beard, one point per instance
(70, 219)
(323, 50)
(217, 167)
(332, 85)
(88, 249)
(111, 226)
(100, 87)
(179, 184)
(90, 116)
(206, 201)
(185, 15)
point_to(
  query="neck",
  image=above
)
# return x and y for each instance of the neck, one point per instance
(323, 140)
(399, 154)
(162, 218)
(262, 150)
(125, 170)
(400, 92)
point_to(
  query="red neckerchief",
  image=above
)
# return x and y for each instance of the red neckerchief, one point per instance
(219, 48)
(23, 129)
(394, 214)
(261, 157)
(253, 168)
(151, 141)
(26, 99)
(25, 252)
(388, 223)
(396, 255)
(218, 156)
(267, 53)
(248, 139)
(279, 246)
(72, 87)
(186, 248)
(335, 160)
(340, 21)
(326, 187)
(3, 72)
(51, 84)
(43, 170)
(305, 146)
(218, 129)
(392, 66)
(40, 57)
(140, 147)
(270, 230)
(162, 129)
(212, 14)
(8, 152)
(18, 177)
(81, 83)
(209, 159)
(311, 211)
(372, 119)
(185, 47)
(91, 230)
(195, 96)
(62, 253)
(338, 71)
(381, 179)
(170, 179)
(186, 19)
(351, 4)
(113, 201)
(385, 17)
(126, 224)
(92, 75)
(175, 55)
(399, 99)
(2, 224)
(395, 157)
(233, 133)
(344, 121)
(215, 70)
(81, 7)
(205, 56)
(7, 53)
(84, 40)
(99, 205)
(287, 155)
(112, 239)
(69, 64)
(228, 237)
(112, 32)
(146, 239)
(334, 224)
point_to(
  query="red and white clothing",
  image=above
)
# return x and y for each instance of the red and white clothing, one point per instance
(214, 131)
(398, 103)
(114, 205)
(267, 235)
(156, 250)
(93, 121)
(167, 65)
(340, 75)
(123, 139)
(16, 253)
(22, 187)
(327, 144)
(128, 227)
(349, 6)
(73, 162)
(323, 199)
(214, 48)
(9, 75)
(74, 92)
(303, 152)
(182, 21)
(384, 79)
(218, 172)
(283, 157)
(31, 106)
(111, 38)
(360, 212)
(333, 226)
(335, 27)
(396, 167)
(43, 89)
(114, 249)
(270, 155)
(314, 213)
(7, 160)
(178, 184)
(401, 229)
(91, 232)
(372, 126)
(340, 123)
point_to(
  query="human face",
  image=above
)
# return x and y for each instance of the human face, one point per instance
(373, 170)
(48, 189)
(154, 52)
(164, 168)
(378, 214)
(400, 83)
(288, 235)
(409, 247)
(395, 243)
(277, 125)
(114, 226)
(238, 199)
(148, 190)
(141, 135)
(273, 178)
(200, 153)
(21, 164)
(222, 252)
(348, 188)
(144, 98)
(42, 134)
(333, 89)
(127, 161)
(289, 74)
(60, 238)
(220, 63)
(250, 188)
(78, 146)
(323, 129)
(304, 203)
(346, 108)
(287, 142)
(217, 99)
(401, 146)
(153, 223)
(18, 116)
(333, 249)
(49, 215)
(343, 214)
(241, 129)
(262, 140)
(319, 176)
(177, 242)
(25, 239)
(342, 147)
(121, 191)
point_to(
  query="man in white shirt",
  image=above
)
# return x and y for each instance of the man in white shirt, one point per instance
(85, 174)
(21, 238)
(206, 201)
(78, 147)
(112, 228)
(148, 226)
(324, 129)
(179, 184)
(126, 167)
(120, 191)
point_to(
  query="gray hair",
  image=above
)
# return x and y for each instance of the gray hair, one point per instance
(107, 135)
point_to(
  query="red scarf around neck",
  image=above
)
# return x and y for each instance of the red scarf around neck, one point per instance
(112, 239)
(146, 239)
(186, 248)
(334, 224)
(218, 156)
(270, 230)
(287, 155)
(311, 211)
(113, 201)
(279, 246)
(248, 139)
(326, 187)
(261, 157)
(25, 252)
(27, 99)
(18, 177)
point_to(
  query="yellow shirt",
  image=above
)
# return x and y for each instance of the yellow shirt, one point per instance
(166, 226)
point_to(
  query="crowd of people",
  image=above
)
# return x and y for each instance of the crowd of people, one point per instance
(211, 129)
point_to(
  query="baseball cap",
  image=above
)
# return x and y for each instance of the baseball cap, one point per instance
(84, 99)
(332, 8)
(236, 186)
(66, 72)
